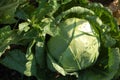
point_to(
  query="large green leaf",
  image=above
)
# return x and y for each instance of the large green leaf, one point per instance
(51, 63)
(16, 60)
(40, 54)
(105, 15)
(7, 10)
(76, 10)
(7, 37)
(31, 63)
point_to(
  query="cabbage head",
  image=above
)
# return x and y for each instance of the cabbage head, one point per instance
(75, 47)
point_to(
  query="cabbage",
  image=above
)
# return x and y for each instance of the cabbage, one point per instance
(75, 47)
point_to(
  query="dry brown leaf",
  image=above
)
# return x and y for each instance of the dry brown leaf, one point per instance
(115, 7)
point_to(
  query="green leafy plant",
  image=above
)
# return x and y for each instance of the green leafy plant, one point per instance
(70, 39)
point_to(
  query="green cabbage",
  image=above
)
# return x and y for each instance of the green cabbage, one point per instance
(75, 47)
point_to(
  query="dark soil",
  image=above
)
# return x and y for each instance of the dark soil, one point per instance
(104, 2)
(9, 74)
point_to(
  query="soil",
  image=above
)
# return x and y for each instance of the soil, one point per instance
(9, 74)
